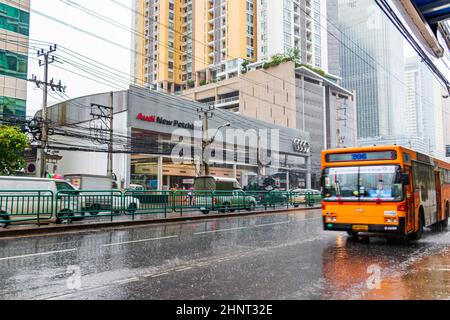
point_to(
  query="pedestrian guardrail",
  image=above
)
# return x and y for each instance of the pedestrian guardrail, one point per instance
(73, 205)
(25, 205)
(190, 200)
(146, 202)
(67, 206)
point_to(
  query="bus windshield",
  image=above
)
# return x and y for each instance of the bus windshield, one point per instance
(363, 183)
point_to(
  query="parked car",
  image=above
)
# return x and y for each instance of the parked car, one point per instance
(227, 195)
(233, 200)
(25, 199)
(275, 197)
(96, 202)
(302, 196)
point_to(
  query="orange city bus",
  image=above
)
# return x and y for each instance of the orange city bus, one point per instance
(384, 189)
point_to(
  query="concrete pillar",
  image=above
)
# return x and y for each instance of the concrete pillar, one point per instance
(287, 181)
(197, 79)
(208, 75)
(160, 173)
(287, 172)
(235, 171)
(198, 168)
(308, 172)
(216, 95)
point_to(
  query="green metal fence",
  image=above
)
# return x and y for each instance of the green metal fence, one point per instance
(26, 205)
(77, 205)
(67, 206)
(190, 200)
(146, 202)
(231, 201)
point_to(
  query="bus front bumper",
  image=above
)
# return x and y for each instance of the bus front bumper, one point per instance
(373, 228)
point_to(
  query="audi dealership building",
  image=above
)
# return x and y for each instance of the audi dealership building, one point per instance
(157, 142)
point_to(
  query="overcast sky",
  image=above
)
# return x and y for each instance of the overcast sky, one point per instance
(44, 29)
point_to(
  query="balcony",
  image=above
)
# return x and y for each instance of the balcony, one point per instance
(227, 103)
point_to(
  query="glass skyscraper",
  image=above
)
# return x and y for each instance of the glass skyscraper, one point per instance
(372, 62)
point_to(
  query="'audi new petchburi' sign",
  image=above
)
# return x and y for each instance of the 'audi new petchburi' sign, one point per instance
(161, 120)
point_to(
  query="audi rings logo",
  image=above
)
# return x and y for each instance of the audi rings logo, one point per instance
(301, 146)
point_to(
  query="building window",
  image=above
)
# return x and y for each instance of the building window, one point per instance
(13, 19)
(10, 107)
(13, 64)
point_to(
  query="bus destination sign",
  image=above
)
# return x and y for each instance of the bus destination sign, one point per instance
(362, 156)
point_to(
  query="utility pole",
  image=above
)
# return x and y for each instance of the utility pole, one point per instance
(105, 114)
(205, 115)
(47, 59)
(111, 129)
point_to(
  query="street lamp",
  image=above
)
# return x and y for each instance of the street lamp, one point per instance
(218, 129)
(207, 142)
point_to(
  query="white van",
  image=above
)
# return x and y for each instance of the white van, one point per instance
(23, 198)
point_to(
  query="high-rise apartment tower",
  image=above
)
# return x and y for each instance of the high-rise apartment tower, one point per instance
(181, 43)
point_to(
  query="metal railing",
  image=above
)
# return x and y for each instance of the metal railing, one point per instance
(67, 206)
(25, 205)
(76, 205)
(189, 200)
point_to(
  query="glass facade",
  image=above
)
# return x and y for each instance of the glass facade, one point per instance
(14, 19)
(372, 64)
(13, 64)
(11, 107)
(13, 60)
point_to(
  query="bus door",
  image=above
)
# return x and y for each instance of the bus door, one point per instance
(438, 195)
(425, 189)
(410, 204)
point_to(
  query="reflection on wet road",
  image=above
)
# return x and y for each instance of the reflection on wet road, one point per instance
(272, 256)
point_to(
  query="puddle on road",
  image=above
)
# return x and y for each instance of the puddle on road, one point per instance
(384, 269)
(427, 278)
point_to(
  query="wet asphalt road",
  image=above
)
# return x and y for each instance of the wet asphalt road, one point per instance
(272, 256)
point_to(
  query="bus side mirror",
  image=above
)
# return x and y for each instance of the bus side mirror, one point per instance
(405, 179)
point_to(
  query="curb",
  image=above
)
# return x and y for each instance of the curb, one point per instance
(54, 229)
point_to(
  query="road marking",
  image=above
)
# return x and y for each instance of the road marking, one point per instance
(271, 224)
(220, 230)
(158, 275)
(37, 254)
(255, 226)
(183, 269)
(126, 280)
(438, 269)
(137, 241)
